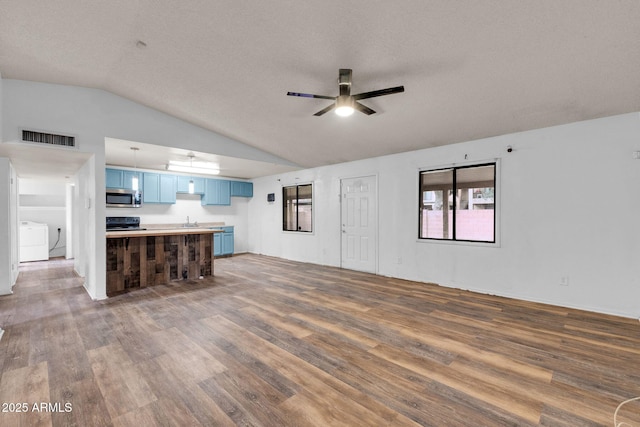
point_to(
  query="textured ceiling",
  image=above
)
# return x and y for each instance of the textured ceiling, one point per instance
(471, 69)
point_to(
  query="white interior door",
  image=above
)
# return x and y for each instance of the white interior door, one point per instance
(359, 223)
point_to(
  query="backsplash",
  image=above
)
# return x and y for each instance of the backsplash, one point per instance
(186, 205)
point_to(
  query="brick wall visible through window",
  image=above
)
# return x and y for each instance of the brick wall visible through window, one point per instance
(297, 208)
(458, 203)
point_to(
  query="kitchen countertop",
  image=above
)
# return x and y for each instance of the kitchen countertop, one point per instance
(169, 231)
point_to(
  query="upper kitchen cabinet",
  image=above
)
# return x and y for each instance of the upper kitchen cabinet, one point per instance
(119, 178)
(198, 184)
(241, 189)
(162, 187)
(217, 192)
(159, 188)
(113, 178)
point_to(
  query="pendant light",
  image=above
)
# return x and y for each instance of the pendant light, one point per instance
(134, 180)
(191, 184)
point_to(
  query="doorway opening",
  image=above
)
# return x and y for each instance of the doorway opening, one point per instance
(45, 218)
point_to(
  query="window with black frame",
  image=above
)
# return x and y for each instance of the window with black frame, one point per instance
(297, 204)
(458, 203)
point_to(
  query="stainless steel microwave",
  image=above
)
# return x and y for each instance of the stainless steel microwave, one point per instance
(120, 198)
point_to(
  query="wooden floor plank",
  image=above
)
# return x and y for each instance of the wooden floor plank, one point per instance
(89, 410)
(22, 391)
(268, 341)
(168, 385)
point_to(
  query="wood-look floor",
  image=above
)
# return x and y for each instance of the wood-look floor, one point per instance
(268, 342)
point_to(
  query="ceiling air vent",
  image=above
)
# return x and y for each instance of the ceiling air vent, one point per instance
(49, 138)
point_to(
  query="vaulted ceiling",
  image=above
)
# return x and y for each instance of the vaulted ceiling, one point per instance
(471, 69)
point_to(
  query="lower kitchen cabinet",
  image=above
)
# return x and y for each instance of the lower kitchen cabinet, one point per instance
(223, 242)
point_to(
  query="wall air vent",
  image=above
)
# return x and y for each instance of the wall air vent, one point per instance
(49, 138)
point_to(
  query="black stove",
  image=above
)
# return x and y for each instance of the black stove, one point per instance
(123, 223)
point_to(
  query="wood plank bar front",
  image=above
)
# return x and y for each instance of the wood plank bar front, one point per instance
(137, 259)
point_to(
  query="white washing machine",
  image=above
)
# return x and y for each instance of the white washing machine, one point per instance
(34, 241)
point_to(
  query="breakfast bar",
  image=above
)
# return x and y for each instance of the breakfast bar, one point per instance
(148, 257)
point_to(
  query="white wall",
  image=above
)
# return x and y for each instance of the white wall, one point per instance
(5, 246)
(13, 224)
(8, 227)
(1, 104)
(91, 115)
(569, 197)
(69, 207)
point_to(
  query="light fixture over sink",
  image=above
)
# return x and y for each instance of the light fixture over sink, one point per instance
(135, 185)
(191, 183)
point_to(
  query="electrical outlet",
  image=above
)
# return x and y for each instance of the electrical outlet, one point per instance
(564, 281)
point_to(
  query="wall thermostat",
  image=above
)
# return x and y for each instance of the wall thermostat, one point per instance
(271, 197)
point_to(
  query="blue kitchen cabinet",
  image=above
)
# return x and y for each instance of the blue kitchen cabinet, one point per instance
(119, 178)
(151, 187)
(241, 189)
(217, 192)
(217, 244)
(113, 178)
(223, 243)
(227, 243)
(198, 184)
(168, 188)
(159, 188)
(162, 187)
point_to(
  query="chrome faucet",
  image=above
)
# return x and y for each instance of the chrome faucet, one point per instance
(189, 224)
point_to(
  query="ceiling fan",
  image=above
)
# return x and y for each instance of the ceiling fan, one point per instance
(345, 103)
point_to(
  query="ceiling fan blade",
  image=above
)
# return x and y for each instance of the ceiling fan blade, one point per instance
(368, 111)
(309, 95)
(344, 81)
(326, 110)
(380, 92)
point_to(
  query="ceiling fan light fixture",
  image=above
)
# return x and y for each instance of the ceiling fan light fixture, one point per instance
(344, 106)
(344, 111)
